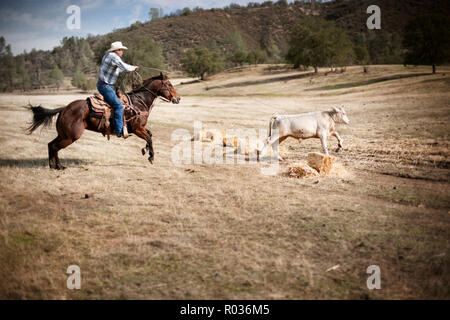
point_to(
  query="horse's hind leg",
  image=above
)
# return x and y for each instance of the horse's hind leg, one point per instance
(53, 153)
(70, 126)
(53, 147)
(60, 142)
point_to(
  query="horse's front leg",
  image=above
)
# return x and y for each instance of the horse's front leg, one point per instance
(147, 136)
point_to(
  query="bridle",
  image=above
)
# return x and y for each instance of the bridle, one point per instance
(164, 87)
(139, 113)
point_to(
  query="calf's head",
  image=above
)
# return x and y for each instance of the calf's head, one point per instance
(340, 116)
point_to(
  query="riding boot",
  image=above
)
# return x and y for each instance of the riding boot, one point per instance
(125, 127)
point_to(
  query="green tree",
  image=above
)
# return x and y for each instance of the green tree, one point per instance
(145, 52)
(186, 11)
(396, 50)
(238, 58)
(74, 53)
(362, 56)
(88, 84)
(56, 76)
(267, 4)
(85, 57)
(282, 3)
(141, 52)
(342, 53)
(83, 82)
(101, 48)
(307, 45)
(257, 57)
(384, 48)
(199, 62)
(23, 73)
(427, 40)
(316, 42)
(38, 67)
(78, 79)
(7, 66)
(155, 13)
(269, 45)
(64, 60)
(235, 41)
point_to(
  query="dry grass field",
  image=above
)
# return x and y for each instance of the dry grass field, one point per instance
(200, 231)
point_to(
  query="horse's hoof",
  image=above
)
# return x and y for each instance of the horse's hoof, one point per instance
(60, 167)
(143, 151)
(150, 159)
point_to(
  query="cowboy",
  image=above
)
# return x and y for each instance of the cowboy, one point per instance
(112, 65)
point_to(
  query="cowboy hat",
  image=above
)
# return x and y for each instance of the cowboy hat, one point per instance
(117, 46)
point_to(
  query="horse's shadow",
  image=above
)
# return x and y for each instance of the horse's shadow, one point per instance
(38, 162)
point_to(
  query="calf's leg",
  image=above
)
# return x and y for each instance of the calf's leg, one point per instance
(335, 134)
(273, 141)
(323, 139)
(275, 147)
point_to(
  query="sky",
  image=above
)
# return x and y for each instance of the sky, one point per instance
(41, 24)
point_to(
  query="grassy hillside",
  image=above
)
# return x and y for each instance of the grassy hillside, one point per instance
(257, 26)
(162, 43)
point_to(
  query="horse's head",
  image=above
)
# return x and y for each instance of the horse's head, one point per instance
(163, 88)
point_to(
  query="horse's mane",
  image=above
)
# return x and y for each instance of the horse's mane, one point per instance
(158, 77)
(146, 82)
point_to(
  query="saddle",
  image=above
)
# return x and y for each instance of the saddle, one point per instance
(100, 109)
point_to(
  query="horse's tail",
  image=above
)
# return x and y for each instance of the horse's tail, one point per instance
(42, 116)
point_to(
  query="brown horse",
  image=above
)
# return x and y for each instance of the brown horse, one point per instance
(75, 117)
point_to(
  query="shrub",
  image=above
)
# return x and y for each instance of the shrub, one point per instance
(199, 62)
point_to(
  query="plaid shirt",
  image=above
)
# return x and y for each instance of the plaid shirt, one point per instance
(111, 67)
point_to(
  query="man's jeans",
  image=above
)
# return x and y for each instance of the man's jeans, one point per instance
(110, 96)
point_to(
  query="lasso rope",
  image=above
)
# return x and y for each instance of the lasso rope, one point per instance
(136, 78)
(156, 69)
